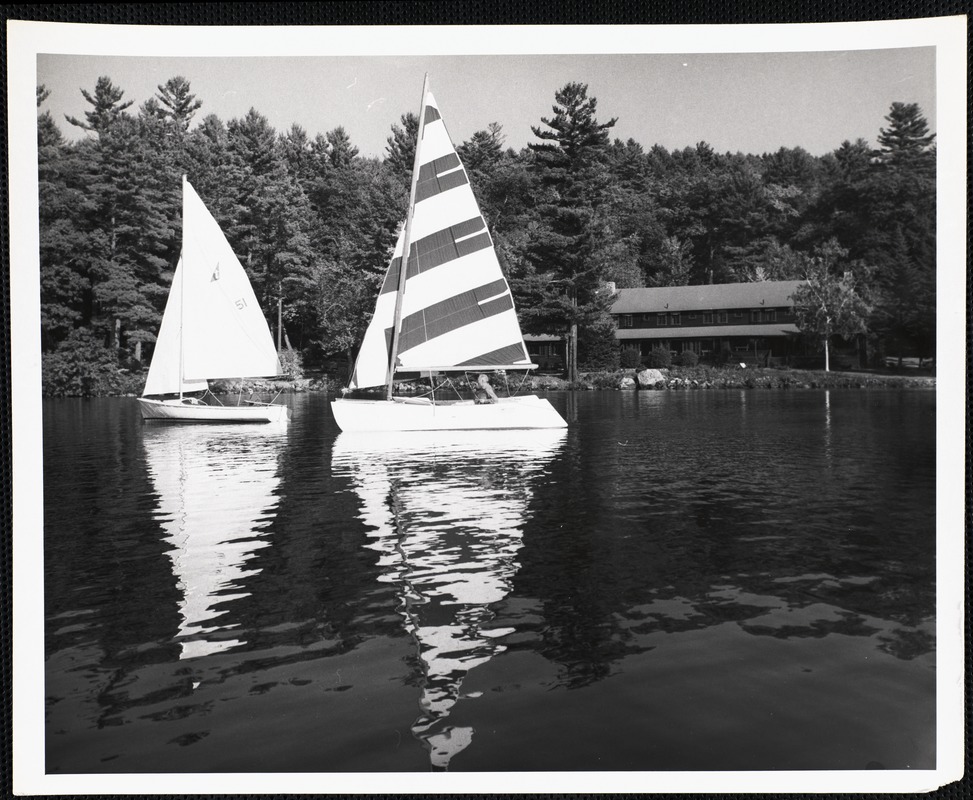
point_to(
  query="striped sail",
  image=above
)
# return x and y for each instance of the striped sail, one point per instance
(457, 311)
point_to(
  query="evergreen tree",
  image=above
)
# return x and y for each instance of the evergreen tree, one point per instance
(107, 106)
(570, 163)
(907, 137)
(401, 147)
(179, 102)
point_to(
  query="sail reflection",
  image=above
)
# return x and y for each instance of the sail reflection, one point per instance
(446, 512)
(215, 485)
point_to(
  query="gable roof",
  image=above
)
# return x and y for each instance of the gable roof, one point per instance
(706, 297)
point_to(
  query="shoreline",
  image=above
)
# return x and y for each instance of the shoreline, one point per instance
(700, 378)
(675, 379)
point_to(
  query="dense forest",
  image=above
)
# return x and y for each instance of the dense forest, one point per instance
(314, 222)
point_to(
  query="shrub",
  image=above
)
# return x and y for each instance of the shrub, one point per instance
(630, 358)
(660, 358)
(687, 358)
(597, 346)
(601, 380)
(291, 364)
(83, 367)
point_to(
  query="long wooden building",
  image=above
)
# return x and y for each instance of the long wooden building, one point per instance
(753, 321)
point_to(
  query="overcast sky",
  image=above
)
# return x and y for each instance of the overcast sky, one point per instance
(749, 102)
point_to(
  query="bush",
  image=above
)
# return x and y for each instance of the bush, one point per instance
(660, 358)
(601, 380)
(291, 364)
(83, 367)
(687, 358)
(630, 358)
(597, 346)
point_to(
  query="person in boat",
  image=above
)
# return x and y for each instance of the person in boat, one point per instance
(484, 391)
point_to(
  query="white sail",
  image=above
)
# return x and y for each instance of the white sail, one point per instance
(457, 310)
(223, 333)
(164, 371)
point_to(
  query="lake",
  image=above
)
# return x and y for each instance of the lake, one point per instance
(679, 581)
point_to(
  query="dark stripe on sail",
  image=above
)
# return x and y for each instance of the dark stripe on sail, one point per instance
(504, 356)
(439, 248)
(453, 313)
(431, 180)
(432, 114)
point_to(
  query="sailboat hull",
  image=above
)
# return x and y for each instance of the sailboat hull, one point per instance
(509, 413)
(181, 411)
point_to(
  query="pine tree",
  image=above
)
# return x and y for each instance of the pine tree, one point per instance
(907, 137)
(401, 147)
(571, 165)
(179, 102)
(107, 106)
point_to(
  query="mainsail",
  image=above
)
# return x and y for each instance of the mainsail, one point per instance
(457, 312)
(212, 326)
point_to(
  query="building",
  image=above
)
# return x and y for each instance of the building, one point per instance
(546, 350)
(753, 321)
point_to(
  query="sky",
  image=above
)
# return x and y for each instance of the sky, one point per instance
(746, 102)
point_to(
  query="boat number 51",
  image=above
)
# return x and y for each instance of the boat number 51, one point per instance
(241, 304)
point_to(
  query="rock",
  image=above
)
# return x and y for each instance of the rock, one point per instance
(651, 379)
(627, 382)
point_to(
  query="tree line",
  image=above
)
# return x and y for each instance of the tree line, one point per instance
(314, 222)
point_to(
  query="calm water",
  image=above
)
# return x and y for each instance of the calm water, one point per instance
(680, 581)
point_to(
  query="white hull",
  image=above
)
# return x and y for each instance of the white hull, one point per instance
(181, 411)
(528, 411)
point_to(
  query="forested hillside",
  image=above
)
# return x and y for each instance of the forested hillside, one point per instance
(314, 222)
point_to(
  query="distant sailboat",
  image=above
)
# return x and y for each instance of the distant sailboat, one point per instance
(444, 308)
(212, 328)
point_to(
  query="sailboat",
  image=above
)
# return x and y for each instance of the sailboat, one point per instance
(444, 309)
(212, 328)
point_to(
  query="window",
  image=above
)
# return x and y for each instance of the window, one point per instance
(691, 316)
(756, 315)
(737, 315)
(662, 319)
(721, 316)
(626, 321)
(772, 316)
(675, 319)
(708, 318)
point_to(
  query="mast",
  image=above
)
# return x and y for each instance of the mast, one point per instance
(182, 283)
(407, 243)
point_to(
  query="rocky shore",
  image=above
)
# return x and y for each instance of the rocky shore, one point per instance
(676, 379)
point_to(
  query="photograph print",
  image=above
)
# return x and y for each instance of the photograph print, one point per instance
(561, 418)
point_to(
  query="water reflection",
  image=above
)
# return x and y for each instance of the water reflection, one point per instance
(216, 492)
(446, 512)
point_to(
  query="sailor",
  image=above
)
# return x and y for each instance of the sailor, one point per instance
(484, 391)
